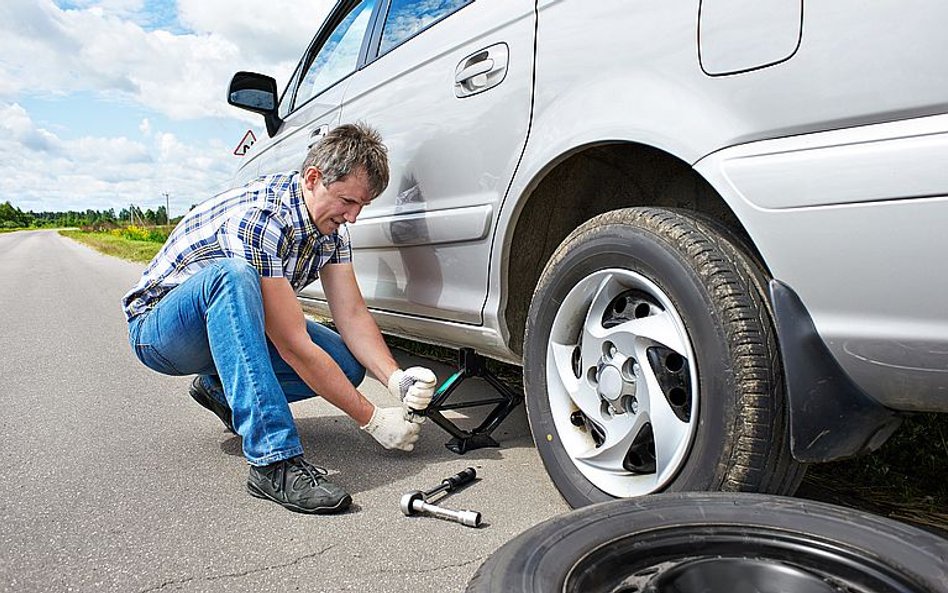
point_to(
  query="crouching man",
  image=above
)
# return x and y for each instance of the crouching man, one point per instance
(219, 301)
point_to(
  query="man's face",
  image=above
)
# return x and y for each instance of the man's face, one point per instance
(340, 202)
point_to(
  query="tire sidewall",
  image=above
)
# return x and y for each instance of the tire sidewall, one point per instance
(631, 248)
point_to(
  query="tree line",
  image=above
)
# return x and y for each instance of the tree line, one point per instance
(12, 217)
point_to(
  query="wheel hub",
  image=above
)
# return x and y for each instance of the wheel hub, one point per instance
(610, 383)
(613, 386)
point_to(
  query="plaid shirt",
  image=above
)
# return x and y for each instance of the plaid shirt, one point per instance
(265, 222)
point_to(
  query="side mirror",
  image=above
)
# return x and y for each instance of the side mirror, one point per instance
(257, 93)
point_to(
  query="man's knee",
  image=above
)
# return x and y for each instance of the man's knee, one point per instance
(237, 268)
(237, 273)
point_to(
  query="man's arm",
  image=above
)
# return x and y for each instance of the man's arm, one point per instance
(356, 326)
(414, 386)
(286, 328)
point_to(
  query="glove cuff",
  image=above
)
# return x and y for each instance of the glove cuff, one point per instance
(372, 424)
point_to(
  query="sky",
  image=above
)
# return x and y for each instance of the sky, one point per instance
(104, 103)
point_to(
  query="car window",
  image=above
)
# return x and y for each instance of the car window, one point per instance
(407, 17)
(339, 56)
(286, 101)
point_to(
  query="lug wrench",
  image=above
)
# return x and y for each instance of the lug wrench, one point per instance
(416, 502)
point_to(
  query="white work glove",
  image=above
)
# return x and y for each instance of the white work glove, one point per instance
(389, 427)
(414, 387)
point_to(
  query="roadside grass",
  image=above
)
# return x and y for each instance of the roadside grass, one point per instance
(136, 250)
(905, 479)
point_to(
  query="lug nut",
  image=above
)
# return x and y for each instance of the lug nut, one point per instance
(577, 419)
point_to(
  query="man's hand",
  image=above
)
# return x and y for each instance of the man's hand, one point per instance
(389, 427)
(414, 387)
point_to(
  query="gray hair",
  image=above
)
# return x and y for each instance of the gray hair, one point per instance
(347, 149)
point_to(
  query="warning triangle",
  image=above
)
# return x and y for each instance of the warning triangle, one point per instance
(245, 143)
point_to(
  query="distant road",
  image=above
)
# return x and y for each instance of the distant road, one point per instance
(114, 480)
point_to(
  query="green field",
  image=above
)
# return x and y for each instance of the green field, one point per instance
(136, 250)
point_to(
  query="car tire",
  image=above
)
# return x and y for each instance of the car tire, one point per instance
(716, 542)
(676, 380)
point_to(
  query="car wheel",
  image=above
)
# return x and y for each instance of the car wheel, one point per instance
(717, 543)
(651, 363)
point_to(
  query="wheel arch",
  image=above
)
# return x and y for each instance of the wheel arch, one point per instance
(582, 183)
(600, 177)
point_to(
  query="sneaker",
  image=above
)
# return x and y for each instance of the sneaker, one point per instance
(201, 395)
(297, 485)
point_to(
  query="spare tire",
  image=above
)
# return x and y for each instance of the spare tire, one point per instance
(717, 543)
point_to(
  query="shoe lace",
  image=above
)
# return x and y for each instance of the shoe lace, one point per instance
(309, 471)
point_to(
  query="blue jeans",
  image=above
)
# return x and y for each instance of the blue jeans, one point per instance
(213, 325)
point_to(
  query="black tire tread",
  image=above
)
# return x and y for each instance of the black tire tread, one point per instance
(788, 473)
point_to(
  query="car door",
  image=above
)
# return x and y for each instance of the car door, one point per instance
(447, 83)
(310, 106)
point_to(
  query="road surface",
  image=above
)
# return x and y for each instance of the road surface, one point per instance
(115, 480)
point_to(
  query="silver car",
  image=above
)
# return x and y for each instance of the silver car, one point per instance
(712, 232)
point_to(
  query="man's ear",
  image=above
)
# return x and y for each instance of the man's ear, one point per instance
(311, 176)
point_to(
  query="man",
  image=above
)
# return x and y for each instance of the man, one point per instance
(219, 301)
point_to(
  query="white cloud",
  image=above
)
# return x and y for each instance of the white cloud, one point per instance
(17, 127)
(276, 31)
(118, 51)
(122, 8)
(97, 48)
(41, 171)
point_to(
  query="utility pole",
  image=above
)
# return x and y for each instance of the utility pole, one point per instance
(167, 209)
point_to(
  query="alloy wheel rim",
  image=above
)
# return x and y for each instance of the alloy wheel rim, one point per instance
(622, 383)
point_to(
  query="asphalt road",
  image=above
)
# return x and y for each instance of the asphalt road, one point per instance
(114, 480)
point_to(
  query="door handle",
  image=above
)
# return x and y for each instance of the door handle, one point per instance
(317, 135)
(481, 70)
(474, 74)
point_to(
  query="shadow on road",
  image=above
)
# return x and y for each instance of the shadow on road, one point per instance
(334, 443)
(331, 440)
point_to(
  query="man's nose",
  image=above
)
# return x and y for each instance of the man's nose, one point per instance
(352, 213)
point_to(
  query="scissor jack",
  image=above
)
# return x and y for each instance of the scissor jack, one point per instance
(471, 364)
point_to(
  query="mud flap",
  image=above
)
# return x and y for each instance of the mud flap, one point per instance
(830, 416)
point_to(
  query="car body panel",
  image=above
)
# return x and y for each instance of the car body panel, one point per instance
(824, 137)
(451, 160)
(740, 109)
(849, 219)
